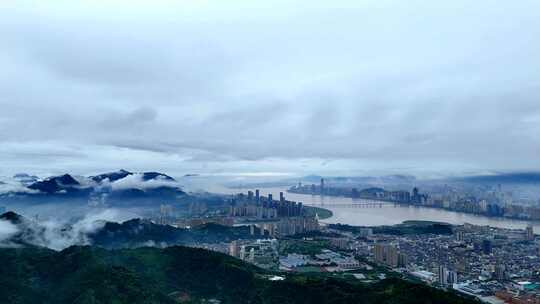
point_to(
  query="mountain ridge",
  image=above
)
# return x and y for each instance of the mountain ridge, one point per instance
(85, 274)
(120, 187)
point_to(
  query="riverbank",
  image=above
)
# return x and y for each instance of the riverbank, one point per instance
(405, 204)
(345, 211)
(322, 213)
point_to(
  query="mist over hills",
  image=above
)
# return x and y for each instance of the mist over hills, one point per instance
(19, 231)
(494, 178)
(401, 180)
(502, 178)
(115, 188)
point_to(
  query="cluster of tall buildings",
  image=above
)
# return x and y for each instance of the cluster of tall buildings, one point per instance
(447, 277)
(166, 214)
(490, 202)
(255, 205)
(311, 189)
(286, 226)
(389, 255)
(262, 252)
(400, 196)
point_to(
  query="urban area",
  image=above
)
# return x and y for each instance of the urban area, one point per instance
(492, 264)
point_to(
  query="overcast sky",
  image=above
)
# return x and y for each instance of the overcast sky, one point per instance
(269, 87)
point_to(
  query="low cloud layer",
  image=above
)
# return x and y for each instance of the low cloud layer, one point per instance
(7, 230)
(56, 234)
(279, 87)
(136, 181)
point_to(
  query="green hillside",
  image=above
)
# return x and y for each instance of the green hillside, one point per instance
(178, 275)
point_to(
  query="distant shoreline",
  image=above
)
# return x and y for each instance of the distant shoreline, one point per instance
(424, 206)
(322, 213)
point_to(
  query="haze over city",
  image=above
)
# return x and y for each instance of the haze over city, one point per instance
(269, 152)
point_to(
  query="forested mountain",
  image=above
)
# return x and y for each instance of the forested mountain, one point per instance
(86, 275)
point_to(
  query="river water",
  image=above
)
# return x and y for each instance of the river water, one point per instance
(385, 213)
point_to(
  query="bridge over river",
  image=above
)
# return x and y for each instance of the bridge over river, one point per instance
(359, 204)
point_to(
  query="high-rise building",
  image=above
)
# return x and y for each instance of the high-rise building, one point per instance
(487, 246)
(242, 253)
(392, 256)
(388, 255)
(379, 253)
(365, 232)
(529, 233)
(402, 260)
(460, 235)
(257, 195)
(165, 214)
(416, 197)
(322, 185)
(451, 277)
(234, 249)
(281, 197)
(251, 257)
(443, 279)
(500, 272)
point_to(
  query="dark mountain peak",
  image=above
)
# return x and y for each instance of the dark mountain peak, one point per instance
(66, 180)
(112, 176)
(156, 175)
(120, 187)
(55, 183)
(12, 217)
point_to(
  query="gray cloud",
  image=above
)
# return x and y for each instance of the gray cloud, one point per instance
(282, 87)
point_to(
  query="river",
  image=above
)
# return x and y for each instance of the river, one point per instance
(385, 213)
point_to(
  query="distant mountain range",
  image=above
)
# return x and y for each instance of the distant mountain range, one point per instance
(496, 178)
(515, 178)
(120, 187)
(362, 179)
(502, 178)
(333, 180)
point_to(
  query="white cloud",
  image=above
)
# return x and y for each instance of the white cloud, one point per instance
(279, 86)
(57, 234)
(8, 185)
(7, 230)
(135, 181)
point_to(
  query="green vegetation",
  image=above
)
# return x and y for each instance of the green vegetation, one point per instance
(323, 213)
(310, 248)
(135, 232)
(180, 275)
(405, 228)
(415, 227)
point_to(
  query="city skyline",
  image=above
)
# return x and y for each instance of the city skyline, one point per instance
(261, 152)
